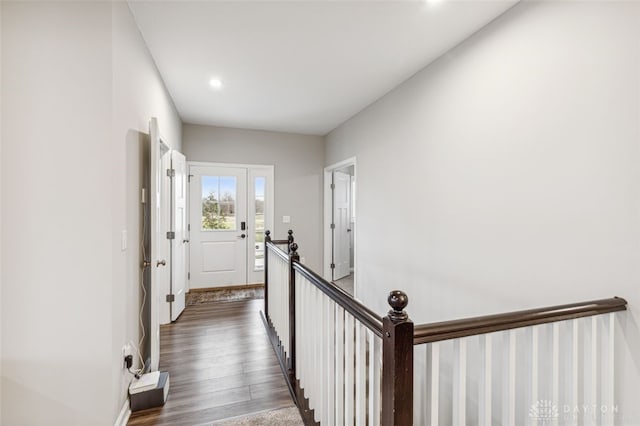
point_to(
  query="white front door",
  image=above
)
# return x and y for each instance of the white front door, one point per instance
(342, 223)
(218, 235)
(230, 207)
(179, 228)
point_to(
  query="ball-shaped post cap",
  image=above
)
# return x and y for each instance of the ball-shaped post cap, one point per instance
(267, 232)
(398, 300)
(294, 248)
(290, 232)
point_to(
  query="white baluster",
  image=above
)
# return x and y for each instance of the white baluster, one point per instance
(340, 367)
(591, 383)
(555, 370)
(484, 403)
(285, 306)
(330, 361)
(460, 381)
(349, 337)
(322, 358)
(308, 335)
(535, 369)
(313, 385)
(361, 371)
(309, 340)
(509, 379)
(375, 369)
(575, 371)
(608, 371)
(433, 373)
(300, 331)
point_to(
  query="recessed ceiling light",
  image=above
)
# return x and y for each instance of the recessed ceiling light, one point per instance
(215, 83)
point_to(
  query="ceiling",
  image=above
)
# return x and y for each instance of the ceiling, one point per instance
(297, 66)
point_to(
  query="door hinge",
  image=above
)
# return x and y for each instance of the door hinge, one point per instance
(189, 178)
(171, 172)
(333, 266)
(333, 186)
(188, 275)
(333, 226)
(171, 298)
(171, 235)
(189, 227)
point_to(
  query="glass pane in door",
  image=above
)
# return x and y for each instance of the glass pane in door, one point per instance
(219, 203)
(259, 191)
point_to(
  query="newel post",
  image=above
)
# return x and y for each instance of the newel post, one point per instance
(267, 239)
(397, 363)
(293, 257)
(289, 240)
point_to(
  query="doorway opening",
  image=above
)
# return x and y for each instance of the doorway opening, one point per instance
(340, 225)
(230, 207)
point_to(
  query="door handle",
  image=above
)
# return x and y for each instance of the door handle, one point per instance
(243, 236)
(243, 226)
(161, 262)
(185, 241)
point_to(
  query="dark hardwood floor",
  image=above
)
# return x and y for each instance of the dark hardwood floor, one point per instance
(221, 365)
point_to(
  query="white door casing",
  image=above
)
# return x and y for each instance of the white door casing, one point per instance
(218, 245)
(342, 222)
(179, 229)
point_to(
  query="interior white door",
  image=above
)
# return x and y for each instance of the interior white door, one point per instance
(218, 222)
(179, 229)
(159, 254)
(342, 221)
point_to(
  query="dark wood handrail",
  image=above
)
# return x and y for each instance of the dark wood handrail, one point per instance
(277, 250)
(445, 330)
(280, 242)
(360, 312)
(365, 315)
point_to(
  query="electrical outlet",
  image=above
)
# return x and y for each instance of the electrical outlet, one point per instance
(127, 350)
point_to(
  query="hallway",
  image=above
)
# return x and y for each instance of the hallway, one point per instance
(221, 366)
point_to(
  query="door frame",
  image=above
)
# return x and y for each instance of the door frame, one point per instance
(328, 215)
(269, 201)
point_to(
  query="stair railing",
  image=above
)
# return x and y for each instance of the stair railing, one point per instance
(347, 365)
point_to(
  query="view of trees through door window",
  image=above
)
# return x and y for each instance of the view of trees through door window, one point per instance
(219, 203)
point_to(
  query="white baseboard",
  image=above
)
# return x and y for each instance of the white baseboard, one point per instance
(124, 415)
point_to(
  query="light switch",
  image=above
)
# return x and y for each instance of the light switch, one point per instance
(286, 219)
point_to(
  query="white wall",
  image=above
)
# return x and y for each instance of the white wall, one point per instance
(56, 213)
(299, 163)
(79, 88)
(505, 175)
(138, 94)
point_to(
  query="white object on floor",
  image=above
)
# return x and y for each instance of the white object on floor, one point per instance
(146, 382)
